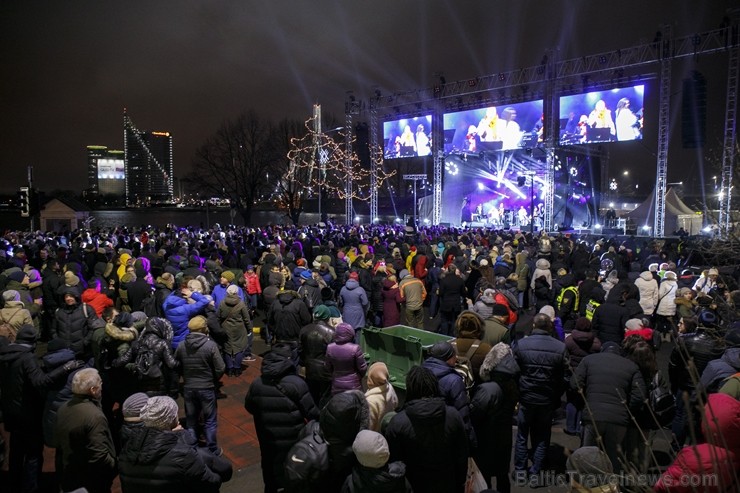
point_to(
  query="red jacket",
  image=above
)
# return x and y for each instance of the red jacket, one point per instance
(709, 467)
(252, 283)
(98, 301)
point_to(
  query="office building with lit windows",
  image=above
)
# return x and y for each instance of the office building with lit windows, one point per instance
(148, 165)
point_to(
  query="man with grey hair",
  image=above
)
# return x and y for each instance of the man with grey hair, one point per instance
(86, 457)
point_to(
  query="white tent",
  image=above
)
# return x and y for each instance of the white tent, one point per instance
(677, 214)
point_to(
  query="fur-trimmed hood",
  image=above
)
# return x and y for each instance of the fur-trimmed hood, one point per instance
(499, 359)
(125, 334)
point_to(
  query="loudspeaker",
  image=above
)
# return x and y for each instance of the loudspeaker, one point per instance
(521, 180)
(694, 111)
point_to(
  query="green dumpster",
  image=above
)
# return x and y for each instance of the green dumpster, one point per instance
(399, 347)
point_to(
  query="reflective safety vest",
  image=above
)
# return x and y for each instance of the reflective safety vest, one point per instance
(591, 307)
(574, 290)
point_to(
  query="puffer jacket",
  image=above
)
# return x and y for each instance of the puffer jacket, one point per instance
(484, 306)
(580, 344)
(452, 389)
(609, 322)
(717, 461)
(343, 417)
(720, 369)
(281, 404)
(233, 316)
(354, 302)
(97, 300)
(648, 292)
(58, 393)
(314, 339)
(159, 461)
(391, 478)
(22, 381)
(667, 295)
(701, 347)
(543, 362)
(26, 297)
(200, 361)
(76, 323)
(429, 437)
(684, 308)
(609, 380)
(15, 314)
(287, 316)
(179, 312)
(345, 361)
(157, 337)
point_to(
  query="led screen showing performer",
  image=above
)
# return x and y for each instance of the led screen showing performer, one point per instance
(602, 116)
(493, 128)
(407, 137)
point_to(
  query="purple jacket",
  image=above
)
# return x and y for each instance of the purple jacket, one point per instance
(353, 300)
(345, 360)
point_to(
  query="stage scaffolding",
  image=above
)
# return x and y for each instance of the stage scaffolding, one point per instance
(548, 81)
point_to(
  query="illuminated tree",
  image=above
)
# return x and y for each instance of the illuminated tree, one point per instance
(321, 163)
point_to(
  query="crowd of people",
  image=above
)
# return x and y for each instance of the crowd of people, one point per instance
(133, 319)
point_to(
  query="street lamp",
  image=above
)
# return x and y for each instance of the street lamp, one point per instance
(415, 178)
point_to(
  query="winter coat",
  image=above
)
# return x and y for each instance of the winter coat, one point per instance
(609, 380)
(543, 362)
(233, 315)
(684, 308)
(429, 437)
(287, 316)
(376, 297)
(391, 299)
(22, 381)
(157, 461)
(542, 292)
(343, 417)
(494, 331)
(85, 448)
(314, 339)
(281, 404)
(75, 324)
(157, 337)
(648, 292)
(26, 297)
(413, 292)
(252, 283)
(57, 393)
(179, 311)
(310, 293)
(381, 399)
(391, 478)
(700, 346)
(161, 292)
(720, 369)
(580, 344)
(718, 460)
(667, 295)
(452, 389)
(354, 302)
(15, 314)
(609, 322)
(138, 291)
(97, 300)
(200, 361)
(345, 361)
(542, 268)
(451, 292)
(484, 306)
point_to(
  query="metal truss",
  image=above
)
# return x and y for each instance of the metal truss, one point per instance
(374, 158)
(729, 144)
(551, 76)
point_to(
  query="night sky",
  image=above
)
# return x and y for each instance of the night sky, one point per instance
(70, 67)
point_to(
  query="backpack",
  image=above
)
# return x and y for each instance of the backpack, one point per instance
(148, 306)
(308, 459)
(464, 365)
(661, 402)
(145, 364)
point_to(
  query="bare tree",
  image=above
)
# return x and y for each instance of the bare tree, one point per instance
(235, 161)
(289, 183)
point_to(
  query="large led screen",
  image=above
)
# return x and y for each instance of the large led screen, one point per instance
(407, 137)
(495, 128)
(602, 116)
(111, 169)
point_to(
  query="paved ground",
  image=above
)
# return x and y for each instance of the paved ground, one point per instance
(238, 438)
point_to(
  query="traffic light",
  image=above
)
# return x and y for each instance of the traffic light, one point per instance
(25, 198)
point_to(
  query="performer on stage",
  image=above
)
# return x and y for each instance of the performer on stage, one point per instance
(494, 218)
(522, 216)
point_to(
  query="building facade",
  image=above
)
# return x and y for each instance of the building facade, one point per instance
(106, 173)
(148, 166)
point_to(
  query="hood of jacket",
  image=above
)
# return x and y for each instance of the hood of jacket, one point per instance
(287, 297)
(351, 284)
(646, 276)
(276, 364)
(429, 411)
(731, 356)
(582, 336)
(147, 446)
(232, 300)
(161, 327)
(344, 333)
(499, 359)
(722, 426)
(542, 264)
(388, 284)
(57, 358)
(345, 415)
(194, 341)
(124, 334)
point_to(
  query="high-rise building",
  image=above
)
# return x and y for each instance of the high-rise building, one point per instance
(149, 165)
(106, 175)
